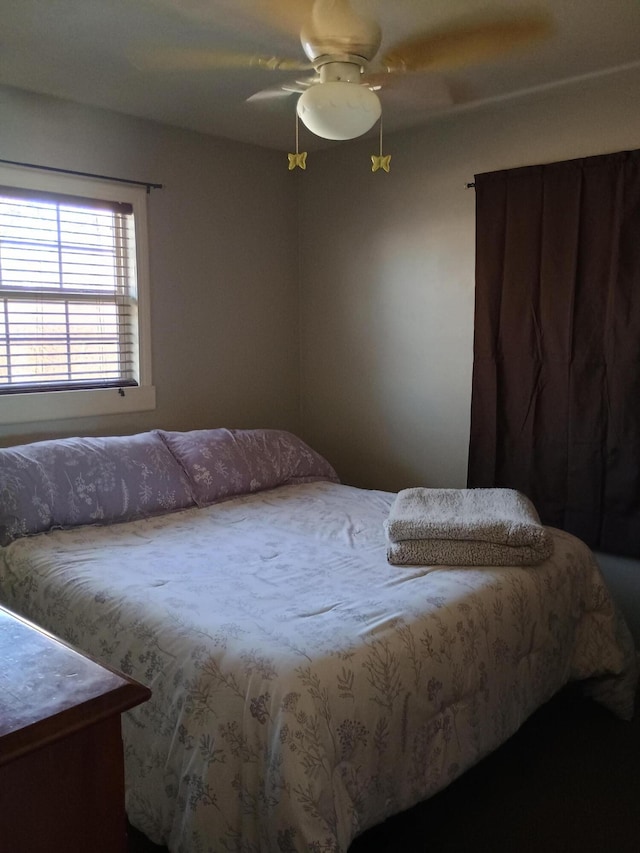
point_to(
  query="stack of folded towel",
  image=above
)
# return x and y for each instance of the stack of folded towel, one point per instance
(465, 527)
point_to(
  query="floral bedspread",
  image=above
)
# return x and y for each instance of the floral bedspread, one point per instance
(303, 688)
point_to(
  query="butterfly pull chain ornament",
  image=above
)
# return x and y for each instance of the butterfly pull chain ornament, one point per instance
(381, 161)
(298, 159)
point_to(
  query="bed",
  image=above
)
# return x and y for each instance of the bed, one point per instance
(303, 689)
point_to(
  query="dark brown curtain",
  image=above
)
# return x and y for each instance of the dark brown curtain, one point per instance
(556, 379)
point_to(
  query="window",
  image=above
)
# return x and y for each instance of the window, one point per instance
(73, 297)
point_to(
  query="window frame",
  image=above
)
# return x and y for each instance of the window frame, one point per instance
(34, 406)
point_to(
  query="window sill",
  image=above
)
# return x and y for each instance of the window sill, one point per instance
(62, 405)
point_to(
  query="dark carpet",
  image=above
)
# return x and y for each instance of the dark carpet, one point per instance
(567, 782)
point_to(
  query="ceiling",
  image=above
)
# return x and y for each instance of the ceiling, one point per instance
(111, 53)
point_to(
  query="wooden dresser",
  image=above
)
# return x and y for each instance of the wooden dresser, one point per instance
(61, 760)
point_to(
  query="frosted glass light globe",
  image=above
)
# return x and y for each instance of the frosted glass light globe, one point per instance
(339, 110)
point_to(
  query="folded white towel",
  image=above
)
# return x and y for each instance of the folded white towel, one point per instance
(465, 527)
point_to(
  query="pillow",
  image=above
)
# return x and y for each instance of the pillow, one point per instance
(221, 463)
(72, 481)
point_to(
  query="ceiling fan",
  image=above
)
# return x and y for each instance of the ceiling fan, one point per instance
(338, 100)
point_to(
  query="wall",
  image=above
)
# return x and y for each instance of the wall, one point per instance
(224, 270)
(387, 281)
(387, 275)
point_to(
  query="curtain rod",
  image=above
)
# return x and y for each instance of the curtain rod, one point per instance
(470, 186)
(146, 184)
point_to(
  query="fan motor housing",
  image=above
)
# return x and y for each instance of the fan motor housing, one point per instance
(347, 69)
(363, 40)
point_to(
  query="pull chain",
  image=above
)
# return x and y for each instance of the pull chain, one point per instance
(381, 161)
(300, 157)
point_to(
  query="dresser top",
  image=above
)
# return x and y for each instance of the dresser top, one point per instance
(48, 689)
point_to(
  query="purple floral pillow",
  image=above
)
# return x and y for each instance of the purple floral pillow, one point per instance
(72, 481)
(225, 462)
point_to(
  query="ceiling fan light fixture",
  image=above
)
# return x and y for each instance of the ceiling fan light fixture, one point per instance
(339, 110)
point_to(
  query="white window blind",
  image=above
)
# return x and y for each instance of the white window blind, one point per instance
(68, 292)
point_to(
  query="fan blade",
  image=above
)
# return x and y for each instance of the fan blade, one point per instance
(294, 87)
(287, 16)
(271, 94)
(201, 60)
(419, 90)
(456, 47)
